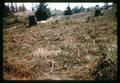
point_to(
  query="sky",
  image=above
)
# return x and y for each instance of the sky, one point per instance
(61, 6)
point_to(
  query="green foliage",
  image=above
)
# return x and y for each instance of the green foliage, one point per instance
(68, 11)
(23, 8)
(76, 9)
(98, 13)
(6, 11)
(82, 9)
(12, 8)
(42, 12)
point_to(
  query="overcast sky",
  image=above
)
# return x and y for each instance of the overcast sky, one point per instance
(61, 6)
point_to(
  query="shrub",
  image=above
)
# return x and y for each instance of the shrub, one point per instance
(97, 13)
(106, 69)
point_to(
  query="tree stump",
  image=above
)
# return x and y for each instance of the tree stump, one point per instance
(32, 20)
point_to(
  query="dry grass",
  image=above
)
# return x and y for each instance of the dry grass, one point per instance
(67, 49)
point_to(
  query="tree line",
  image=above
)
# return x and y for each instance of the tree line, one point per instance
(10, 8)
(43, 13)
(15, 8)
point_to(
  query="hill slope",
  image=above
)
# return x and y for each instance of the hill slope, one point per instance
(66, 49)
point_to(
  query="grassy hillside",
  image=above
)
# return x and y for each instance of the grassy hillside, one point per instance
(67, 49)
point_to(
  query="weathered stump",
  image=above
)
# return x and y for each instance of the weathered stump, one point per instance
(32, 20)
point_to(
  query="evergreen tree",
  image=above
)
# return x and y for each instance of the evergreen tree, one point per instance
(97, 11)
(68, 11)
(12, 8)
(36, 6)
(82, 9)
(33, 8)
(76, 9)
(16, 8)
(20, 8)
(23, 8)
(88, 9)
(42, 12)
(114, 2)
(106, 5)
(6, 10)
